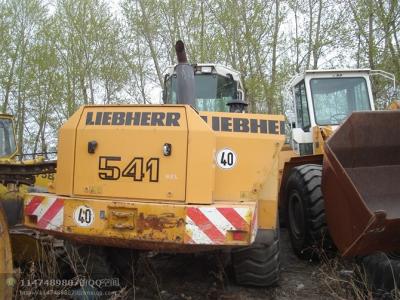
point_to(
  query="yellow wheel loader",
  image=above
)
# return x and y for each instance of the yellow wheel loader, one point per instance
(339, 174)
(16, 178)
(195, 174)
(16, 171)
(200, 174)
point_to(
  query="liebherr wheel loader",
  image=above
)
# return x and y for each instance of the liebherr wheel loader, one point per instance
(339, 174)
(170, 178)
(16, 178)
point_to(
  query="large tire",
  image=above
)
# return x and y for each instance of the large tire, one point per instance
(257, 265)
(382, 274)
(305, 212)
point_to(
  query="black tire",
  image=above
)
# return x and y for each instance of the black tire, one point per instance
(257, 265)
(13, 205)
(305, 212)
(382, 274)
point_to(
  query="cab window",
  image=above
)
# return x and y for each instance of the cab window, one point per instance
(7, 140)
(303, 115)
(213, 92)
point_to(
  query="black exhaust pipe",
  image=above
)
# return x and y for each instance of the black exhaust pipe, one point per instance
(185, 86)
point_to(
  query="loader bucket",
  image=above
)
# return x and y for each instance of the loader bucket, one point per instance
(361, 183)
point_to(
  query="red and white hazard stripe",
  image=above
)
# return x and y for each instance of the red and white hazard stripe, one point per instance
(48, 210)
(210, 225)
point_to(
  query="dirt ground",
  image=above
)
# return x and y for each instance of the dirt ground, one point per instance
(203, 277)
(195, 277)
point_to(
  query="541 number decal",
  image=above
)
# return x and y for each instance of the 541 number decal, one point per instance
(138, 168)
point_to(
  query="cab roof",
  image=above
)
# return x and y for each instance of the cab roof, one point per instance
(216, 69)
(325, 73)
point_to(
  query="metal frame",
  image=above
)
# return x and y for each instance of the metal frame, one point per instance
(386, 75)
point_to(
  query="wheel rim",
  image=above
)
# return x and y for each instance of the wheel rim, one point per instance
(296, 216)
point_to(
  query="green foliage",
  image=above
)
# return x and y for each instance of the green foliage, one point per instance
(56, 56)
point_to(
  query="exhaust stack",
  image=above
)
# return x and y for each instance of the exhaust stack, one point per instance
(185, 92)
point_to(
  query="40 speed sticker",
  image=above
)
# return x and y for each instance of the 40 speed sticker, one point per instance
(226, 158)
(84, 216)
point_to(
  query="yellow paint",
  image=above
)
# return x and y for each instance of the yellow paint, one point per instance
(44, 180)
(63, 185)
(268, 203)
(256, 157)
(127, 143)
(189, 176)
(320, 134)
(267, 214)
(135, 220)
(109, 226)
(200, 166)
(6, 263)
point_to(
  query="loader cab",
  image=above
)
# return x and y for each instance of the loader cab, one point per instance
(216, 87)
(320, 100)
(8, 146)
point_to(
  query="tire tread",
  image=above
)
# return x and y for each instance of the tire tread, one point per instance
(257, 265)
(306, 179)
